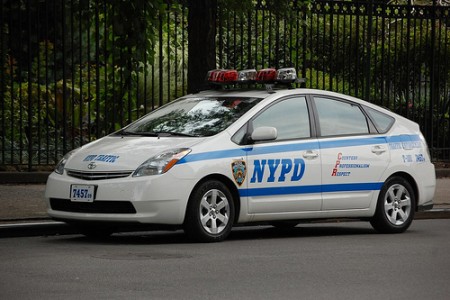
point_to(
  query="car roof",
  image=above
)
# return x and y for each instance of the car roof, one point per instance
(277, 93)
(258, 93)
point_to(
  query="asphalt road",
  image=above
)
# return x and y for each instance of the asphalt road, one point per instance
(315, 261)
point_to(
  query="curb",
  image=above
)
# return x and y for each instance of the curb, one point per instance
(435, 213)
(44, 228)
(23, 177)
(442, 173)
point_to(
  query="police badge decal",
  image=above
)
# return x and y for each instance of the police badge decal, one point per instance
(239, 170)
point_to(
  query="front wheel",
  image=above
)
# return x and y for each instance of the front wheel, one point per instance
(210, 212)
(395, 207)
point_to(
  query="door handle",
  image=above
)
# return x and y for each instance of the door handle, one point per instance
(310, 154)
(378, 150)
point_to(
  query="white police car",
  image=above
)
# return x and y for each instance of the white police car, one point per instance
(217, 158)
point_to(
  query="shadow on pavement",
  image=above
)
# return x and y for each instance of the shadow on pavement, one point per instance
(238, 234)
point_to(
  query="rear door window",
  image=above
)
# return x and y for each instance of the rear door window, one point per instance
(340, 117)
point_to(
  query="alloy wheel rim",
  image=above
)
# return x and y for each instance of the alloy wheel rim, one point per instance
(397, 204)
(214, 211)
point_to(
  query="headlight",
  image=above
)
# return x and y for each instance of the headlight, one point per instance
(62, 163)
(161, 163)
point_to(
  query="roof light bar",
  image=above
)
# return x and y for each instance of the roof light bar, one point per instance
(285, 76)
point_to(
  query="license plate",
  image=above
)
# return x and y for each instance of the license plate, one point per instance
(82, 193)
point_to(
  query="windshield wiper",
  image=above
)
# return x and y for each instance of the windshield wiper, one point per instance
(172, 133)
(123, 132)
(155, 134)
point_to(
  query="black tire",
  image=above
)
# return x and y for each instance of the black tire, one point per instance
(210, 212)
(395, 207)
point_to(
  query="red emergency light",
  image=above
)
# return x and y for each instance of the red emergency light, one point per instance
(266, 75)
(223, 76)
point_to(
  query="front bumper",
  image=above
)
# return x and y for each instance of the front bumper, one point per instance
(160, 199)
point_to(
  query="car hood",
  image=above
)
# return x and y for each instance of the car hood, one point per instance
(117, 153)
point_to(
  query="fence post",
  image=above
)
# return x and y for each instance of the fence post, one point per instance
(201, 40)
(433, 77)
(409, 95)
(2, 89)
(368, 50)
(29, 129)
(304, 18)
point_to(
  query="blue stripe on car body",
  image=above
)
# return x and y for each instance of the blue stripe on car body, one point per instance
(318, 144)
(311, 189)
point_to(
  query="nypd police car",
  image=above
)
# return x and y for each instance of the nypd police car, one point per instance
(226, 156)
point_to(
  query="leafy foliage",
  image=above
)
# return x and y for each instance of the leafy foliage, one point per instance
(78, 94)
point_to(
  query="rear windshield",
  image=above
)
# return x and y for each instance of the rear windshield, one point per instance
(199, 116)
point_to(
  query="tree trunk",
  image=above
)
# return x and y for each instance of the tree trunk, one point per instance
(201, 40)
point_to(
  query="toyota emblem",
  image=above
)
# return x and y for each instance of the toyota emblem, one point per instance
(92, 165)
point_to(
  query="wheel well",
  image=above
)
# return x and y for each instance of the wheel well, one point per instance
(230, 185)
(413, 184)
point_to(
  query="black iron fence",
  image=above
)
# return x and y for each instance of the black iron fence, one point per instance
(74, 71)
(397, 56)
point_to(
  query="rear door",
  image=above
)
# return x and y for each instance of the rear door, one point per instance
(354, 155)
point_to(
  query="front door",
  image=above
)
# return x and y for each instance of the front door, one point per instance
(284, 174)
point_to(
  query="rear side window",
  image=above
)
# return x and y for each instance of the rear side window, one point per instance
(381, 121)
(340, 118)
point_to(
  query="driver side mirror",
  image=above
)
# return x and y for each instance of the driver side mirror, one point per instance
(264, 133)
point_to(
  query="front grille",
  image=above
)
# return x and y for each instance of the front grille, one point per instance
(96, 207)
(98, 175)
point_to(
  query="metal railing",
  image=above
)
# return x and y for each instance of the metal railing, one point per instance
(74, 71)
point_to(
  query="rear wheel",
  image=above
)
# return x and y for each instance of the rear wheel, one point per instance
(210, 213)
(395, 207)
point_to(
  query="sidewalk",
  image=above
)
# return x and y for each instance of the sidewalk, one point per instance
(25, 202)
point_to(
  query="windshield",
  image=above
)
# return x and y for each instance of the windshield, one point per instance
(199, 116)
